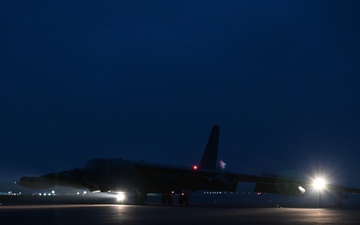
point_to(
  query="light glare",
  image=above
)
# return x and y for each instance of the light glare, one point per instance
(120, 196)
(319, 183)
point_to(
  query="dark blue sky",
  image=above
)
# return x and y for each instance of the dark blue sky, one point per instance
(148, 79)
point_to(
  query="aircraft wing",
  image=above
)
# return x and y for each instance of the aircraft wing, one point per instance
(281, 185)
(343, 189)
(268, 184)
(66, 178)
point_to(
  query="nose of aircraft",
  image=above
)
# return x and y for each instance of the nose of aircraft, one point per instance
(34, 182)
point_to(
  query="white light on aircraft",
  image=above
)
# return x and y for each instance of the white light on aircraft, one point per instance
(301, 189)
(120, 196)
(222, 164)
(319, 183)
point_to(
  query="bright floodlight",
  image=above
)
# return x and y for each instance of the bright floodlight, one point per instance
(120, 196)
(319, 183)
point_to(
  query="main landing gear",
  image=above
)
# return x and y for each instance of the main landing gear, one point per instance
(183, 199)
(168, 199)
(341, 194)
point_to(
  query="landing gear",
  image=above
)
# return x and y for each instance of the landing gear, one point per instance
(341, 194)
(183, 199)
(139, 197)
(167, 198)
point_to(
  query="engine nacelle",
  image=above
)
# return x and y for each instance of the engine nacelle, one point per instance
(282, 189)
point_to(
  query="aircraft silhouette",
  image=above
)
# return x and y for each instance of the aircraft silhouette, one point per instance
(140, 178)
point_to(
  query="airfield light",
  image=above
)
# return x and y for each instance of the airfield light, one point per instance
(120, 196)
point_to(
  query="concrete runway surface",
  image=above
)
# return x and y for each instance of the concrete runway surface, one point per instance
(127, 214)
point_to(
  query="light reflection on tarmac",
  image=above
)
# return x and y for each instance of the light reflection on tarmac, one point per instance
(124, 214)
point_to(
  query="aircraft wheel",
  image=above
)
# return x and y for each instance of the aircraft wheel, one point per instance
(183, 199)
(167, 199)
(139, 197)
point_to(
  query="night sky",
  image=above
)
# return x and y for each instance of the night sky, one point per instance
(146, 80)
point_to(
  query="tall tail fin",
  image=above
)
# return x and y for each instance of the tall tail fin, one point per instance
(209, 158)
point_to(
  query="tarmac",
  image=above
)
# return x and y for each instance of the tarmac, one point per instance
(200, 215)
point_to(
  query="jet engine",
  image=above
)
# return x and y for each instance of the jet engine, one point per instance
(283, 189)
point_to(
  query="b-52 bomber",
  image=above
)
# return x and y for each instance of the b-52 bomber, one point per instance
(140, 178)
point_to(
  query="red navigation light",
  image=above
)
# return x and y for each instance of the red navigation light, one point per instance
(195, 167)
